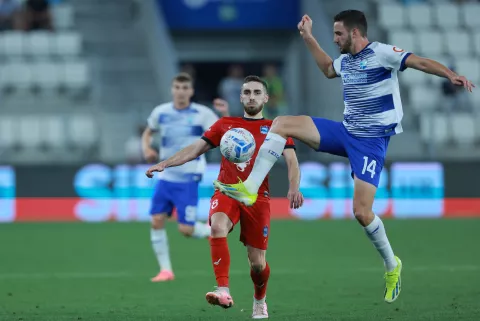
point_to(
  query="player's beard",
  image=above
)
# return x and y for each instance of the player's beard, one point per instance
(252, 110)
(348, 44)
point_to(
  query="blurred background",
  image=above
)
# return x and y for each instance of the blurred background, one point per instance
(78, 79)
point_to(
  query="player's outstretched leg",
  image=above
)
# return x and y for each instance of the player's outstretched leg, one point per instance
(259, 272)
(221, 226)
(362, 208)
(299, 127)
(158, 236)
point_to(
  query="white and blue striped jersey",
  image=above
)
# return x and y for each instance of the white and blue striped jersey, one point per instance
(178, 129)
(371, 93)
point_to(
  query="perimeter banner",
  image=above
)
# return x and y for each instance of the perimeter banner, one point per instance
(100, 192)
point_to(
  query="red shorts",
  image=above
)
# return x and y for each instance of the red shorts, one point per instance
(254, 220)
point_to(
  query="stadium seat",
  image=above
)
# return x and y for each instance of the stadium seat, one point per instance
(67, 44)
(435, 128)
(13, 44)
(403, 39)
(391, 15)
(463, 128)
(29, 134)
(19, 75)
(446, 15)
(46, 75)
(430, 42)
(82, 131)
(424, 98)
(63, 16)
(419, 15)
(470, 14)
(53, 132)
(8, 132)
(469, 67)
(38, 44)
(458, 42)
(476, 43)
(76, 75)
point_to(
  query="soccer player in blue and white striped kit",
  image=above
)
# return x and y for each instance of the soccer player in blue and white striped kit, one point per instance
(179, 123)
(373, 113)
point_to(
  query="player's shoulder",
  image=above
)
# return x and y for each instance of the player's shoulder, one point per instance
(201, 108)
(341, 57)
(163, 107)
(383, 48)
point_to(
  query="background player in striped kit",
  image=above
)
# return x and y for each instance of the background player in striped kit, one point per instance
(179, 123)
(373, 113)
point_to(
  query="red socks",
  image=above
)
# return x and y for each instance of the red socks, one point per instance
(220, 259)
(260, 281)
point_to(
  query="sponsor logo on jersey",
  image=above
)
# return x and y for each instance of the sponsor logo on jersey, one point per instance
(363, 64)
(264, 129)
(265, 231)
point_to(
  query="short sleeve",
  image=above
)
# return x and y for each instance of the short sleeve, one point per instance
(209, 119)
(153, 120)
(214, 134)
(337, 65)
(392, 57)
(290, 143)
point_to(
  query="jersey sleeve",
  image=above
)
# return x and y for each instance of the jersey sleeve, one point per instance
(337, 65)
(392, 57)
(153, 120)
(213, 135)
(290, 143)
(209, 118)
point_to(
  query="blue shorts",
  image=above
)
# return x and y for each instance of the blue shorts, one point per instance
(366, 154)
(182, 196)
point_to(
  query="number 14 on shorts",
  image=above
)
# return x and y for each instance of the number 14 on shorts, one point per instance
(369, 166)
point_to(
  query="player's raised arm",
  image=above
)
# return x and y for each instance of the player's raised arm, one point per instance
(435, 68)
(294, 195)
(185, 155)
(323, 60)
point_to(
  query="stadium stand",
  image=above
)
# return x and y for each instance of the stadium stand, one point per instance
(448, 32)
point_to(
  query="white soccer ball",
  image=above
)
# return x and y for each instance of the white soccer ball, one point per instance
(237, 145)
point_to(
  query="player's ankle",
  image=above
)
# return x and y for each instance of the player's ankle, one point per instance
(251, 187)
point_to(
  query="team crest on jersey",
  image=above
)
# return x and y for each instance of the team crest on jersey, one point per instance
(363, 64)
(265, 231)
(264, 129)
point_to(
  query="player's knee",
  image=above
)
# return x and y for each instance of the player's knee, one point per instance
(186, 230)
(219, 229)
(158, 221)
(258, 267)
(362, 212)
(280, 124)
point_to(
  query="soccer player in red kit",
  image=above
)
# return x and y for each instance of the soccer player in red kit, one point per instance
(225, 212)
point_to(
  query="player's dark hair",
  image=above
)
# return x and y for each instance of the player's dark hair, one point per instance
(183, 77)
(353, 19)
(256, 79)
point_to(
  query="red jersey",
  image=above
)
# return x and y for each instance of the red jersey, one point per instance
(230, 172)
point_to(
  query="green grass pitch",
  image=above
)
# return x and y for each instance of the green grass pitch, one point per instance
(321, 270)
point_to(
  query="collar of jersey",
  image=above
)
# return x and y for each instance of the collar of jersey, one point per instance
(252, 119)
(368, 45)
(185, 110)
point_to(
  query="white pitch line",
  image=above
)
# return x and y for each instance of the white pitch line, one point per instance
(196, 273)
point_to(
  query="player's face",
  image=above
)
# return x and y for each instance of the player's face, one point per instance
(253, 97)
(182, 92)
(342, 37)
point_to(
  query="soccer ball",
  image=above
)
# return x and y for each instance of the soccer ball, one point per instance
(237, 145)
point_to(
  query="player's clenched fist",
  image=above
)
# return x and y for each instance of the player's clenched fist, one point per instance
(305, 26)
(295, 198)
(160, 167)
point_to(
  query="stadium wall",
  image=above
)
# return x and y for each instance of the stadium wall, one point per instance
(100, 192)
